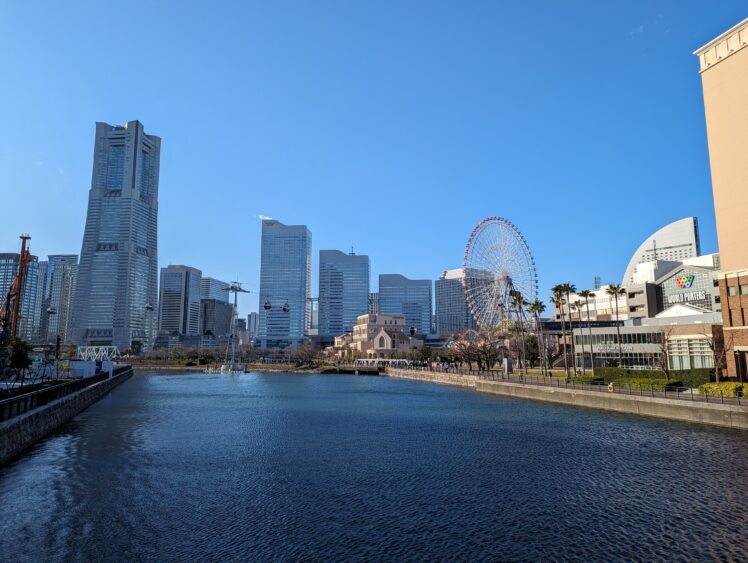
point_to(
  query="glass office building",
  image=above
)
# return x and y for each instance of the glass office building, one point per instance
(285, 284)
(343, 291)
(28, 310)
(211, 288)
(179, 301)
(116, 291)
(452, 314)
(412, 298)
(56, 309)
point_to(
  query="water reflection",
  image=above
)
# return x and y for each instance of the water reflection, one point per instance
(277, 466)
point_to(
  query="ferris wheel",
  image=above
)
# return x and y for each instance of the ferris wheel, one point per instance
(498, 266)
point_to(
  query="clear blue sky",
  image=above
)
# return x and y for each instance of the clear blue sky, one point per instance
(390, 126)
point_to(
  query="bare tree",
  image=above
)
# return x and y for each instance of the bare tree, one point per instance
(663, 343)
(718, 346)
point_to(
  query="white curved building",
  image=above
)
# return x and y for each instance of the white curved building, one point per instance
(675, 242)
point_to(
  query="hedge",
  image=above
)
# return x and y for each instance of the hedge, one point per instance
(687, 377)
(728, 388)
(647, 383)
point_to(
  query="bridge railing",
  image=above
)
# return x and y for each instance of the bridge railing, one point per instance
(21, 404)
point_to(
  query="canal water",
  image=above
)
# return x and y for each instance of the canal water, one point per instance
(198, 467)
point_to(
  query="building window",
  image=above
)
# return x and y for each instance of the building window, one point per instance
(381, 342)
(743, 289)
(732, 291)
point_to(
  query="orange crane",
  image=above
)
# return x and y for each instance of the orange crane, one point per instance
(10, 311)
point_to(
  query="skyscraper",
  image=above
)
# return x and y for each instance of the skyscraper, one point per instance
(285, 283)
(116, 291)
(452, 314)
(56, 308)
(28, 309)
(343, 291)
(211, 288)
(179, 301)
(412, 298)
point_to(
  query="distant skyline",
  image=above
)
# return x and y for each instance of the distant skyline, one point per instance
(389, 127)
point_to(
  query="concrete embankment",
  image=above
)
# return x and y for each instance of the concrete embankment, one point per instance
(20, 432)
(730, 416)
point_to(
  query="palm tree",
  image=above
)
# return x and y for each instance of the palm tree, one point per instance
(558, 302)
(518, 303)
(537, 307)
(570, 288)
(578, 307)
(615, 290)
(586, 294)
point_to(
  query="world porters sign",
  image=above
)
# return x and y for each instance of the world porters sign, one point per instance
(686, 297)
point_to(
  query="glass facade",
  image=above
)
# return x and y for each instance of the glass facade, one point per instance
(116, 291)
(687, 286)
(452, 313)
(30, 300)
(285, 279)
(211, 288)
(343, 291)
(412, 298)
(61, 273)
(179, 301)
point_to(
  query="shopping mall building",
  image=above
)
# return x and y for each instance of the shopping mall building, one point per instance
(669, 312)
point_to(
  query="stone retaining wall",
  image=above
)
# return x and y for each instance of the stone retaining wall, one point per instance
(22, 431)
(433, 377)
(730, 416)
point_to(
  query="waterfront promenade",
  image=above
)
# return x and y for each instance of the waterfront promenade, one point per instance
(683, 405)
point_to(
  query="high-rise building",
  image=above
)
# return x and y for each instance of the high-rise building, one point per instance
(40, 313)
(215, 317)
(211, 288)
(28, 309)
(116, 291)
(373, 303)
(285, 284)
(675, 242)
(253, 320)
(343, 291)
(56, 308)
(412, 298)
(452, 313)
(179, 301)
(724, 77)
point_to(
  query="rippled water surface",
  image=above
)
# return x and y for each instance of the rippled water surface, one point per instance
(196, 467)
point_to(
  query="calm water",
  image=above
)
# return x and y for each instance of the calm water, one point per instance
(197, 467)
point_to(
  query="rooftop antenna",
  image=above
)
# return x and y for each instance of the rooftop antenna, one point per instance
(352, 253)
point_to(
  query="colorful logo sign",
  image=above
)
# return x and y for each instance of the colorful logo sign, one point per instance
(684, 282)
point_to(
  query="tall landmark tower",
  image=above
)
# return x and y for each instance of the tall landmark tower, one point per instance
(116, 292)
(724, 76)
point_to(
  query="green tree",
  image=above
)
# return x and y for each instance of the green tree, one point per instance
(558, 302)
(586, 294)
(570, 288)
(518, 303)
(537, 308)
(577, 305)
(616, 291)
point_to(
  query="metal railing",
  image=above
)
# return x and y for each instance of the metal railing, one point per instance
(642, 390)
(29, 401)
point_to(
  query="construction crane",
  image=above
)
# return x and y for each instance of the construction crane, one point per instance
(10, 311)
